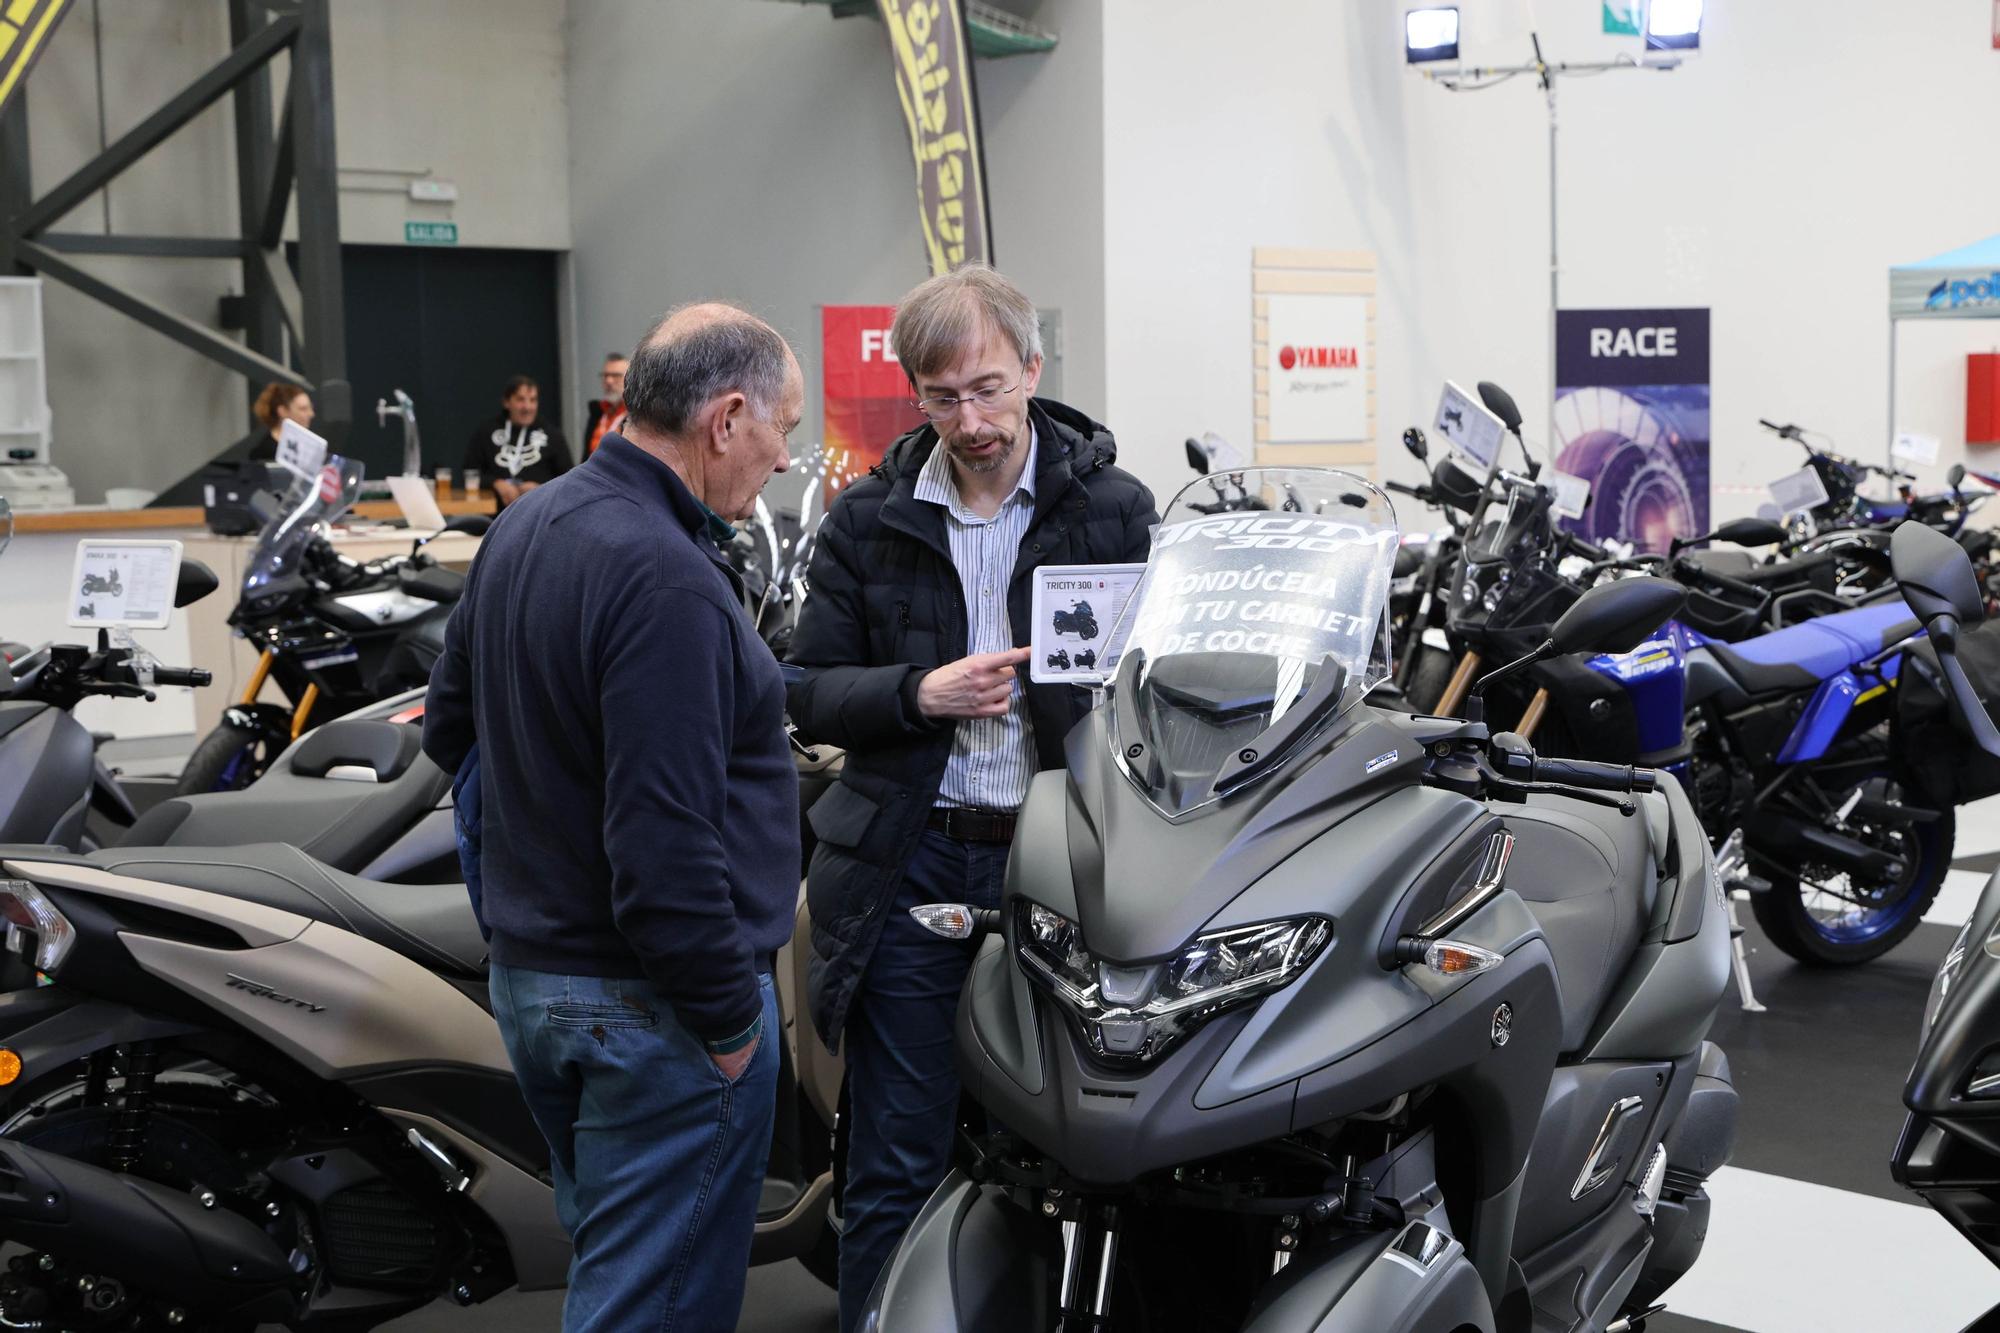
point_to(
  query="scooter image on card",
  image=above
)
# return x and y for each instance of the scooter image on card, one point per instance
(1087, 660)
(94, 583)
(1059, 659)
(1079, 620)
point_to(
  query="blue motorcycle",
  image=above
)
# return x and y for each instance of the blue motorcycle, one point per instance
(1784, 741)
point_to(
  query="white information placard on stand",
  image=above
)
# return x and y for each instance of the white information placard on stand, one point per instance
(1919, 449)
(1076, 608)
(1800, 491)
(1473, 432)
(128, 583)
(299, 450)
(1568, 496)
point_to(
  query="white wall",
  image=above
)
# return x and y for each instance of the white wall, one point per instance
(754, 152)
(472, 89)
(1774, 179)
(1224, 131)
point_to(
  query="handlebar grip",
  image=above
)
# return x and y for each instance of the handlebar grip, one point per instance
(1589, 550)
(1401, 489)
(193, 677)
(1689, 570)
(1601, 777)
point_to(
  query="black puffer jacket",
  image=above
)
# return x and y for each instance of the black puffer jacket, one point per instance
(885, 607)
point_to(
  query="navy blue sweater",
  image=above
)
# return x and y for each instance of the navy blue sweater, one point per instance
(640, 801)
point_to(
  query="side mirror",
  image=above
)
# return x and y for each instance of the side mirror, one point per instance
(1197, 457)
(1751, 532)
(1617, 617)
(1935, 574)
(1956, 477)
(472, 525)
(1501, 404)
(1419, 447)
(195, 582)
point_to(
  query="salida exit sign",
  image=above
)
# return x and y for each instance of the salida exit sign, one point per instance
(430, 233)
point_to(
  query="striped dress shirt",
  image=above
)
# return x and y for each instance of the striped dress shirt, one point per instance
(992, 758)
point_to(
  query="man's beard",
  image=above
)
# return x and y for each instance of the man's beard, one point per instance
(957, 444)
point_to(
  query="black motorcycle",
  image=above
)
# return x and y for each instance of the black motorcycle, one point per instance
(1059, 660)
(333, 634)
(104, 583)
(1079, 620)
(1949, 1150)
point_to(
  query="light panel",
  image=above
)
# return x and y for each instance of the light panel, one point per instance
(1673, 25)
(1430, 34)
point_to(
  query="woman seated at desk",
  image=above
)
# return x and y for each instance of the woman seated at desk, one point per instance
(280, 402)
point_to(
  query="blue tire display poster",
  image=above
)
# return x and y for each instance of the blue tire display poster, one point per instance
(1632, 419)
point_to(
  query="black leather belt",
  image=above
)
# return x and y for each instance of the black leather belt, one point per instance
(973, 825)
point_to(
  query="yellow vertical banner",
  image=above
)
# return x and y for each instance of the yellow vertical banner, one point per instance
(24, 30)
(933, 61)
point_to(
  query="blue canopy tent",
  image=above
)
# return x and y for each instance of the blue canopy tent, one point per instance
(1958, 284)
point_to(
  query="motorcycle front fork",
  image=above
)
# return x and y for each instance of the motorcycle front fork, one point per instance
(1090, 1258)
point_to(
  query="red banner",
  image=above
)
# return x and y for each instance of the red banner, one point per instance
(866, 398)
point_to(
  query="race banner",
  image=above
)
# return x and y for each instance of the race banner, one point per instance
(1632, 420)
(933, 58)
(865, 399)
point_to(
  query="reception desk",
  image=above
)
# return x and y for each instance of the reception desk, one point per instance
(36, 569)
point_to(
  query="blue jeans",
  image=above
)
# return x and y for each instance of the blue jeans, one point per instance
(658, 1159)
(902, 1073)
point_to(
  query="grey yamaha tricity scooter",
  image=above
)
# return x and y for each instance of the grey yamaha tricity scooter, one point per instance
(1298, 1014)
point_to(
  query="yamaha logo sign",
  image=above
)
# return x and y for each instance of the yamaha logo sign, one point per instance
(1318, 358)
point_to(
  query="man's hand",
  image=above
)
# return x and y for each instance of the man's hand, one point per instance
(510, 491)
(733, 1064)
(975, 686)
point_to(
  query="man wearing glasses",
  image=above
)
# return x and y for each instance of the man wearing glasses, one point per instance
(912, 645)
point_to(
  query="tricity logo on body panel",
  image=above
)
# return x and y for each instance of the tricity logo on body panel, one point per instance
(262, 991)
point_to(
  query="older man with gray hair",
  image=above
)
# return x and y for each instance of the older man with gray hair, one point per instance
(639, 840)
(911, 645)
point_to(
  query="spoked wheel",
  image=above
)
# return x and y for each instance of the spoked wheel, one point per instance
(1831, 918)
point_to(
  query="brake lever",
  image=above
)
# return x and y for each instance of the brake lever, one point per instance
(1506, 789)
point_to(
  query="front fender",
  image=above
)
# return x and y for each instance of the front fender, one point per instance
(972, 1260)
(1380, 1283)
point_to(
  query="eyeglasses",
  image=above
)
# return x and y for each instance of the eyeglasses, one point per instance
(944, 409)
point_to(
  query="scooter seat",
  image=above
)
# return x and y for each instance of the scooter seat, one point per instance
(1800, 656)
(430, 924)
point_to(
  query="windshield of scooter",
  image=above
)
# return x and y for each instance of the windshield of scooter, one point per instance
(310, 506)
(1251, 630)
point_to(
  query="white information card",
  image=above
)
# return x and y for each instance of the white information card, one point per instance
(128, 583)
(1076, 608)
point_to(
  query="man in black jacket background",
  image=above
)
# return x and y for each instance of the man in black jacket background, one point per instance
(639, 849)
(910, 644)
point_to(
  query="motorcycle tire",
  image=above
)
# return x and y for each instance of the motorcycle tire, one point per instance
(229, 758)
(1783, 913)
(1429, 678)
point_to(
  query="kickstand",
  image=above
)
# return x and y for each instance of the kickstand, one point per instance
(1740, 956)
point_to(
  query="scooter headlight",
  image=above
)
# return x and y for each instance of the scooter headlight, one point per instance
(36, 931)
(1138, 1013)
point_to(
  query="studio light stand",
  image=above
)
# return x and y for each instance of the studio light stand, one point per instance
(1480, 78)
